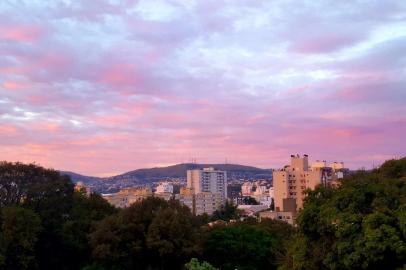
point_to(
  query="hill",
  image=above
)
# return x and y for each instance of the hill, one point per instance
(87, 180)
(179, 170)
(142, 177)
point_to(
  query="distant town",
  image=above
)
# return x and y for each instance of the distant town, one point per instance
(274, 194)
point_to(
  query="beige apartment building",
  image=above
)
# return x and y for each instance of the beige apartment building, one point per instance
(207, 202)
(290, 183)
(128, 196)
(287, 216)
(200, 203)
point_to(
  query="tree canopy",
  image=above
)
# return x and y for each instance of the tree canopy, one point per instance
(45, 224)
(359, 225)
(150, 234)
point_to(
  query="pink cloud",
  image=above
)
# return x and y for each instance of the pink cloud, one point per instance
(107, 89)
(324, 42)
(14, 85)
(7, 130)
(21, 33)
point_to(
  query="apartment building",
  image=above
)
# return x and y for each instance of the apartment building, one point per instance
(290, 183)
(208, 180)
(207, 202)
(128, 196)
(200, 203)
(164, 188)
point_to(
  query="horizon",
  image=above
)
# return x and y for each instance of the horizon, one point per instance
(102, 88)
(189, 163)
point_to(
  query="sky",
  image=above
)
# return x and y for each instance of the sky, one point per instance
(106, 86)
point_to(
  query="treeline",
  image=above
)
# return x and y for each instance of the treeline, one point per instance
(360, 225)
(45, 224)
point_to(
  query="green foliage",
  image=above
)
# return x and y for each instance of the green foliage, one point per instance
(44, 224)
(93, 267)
(227, 212)
(18, 235)
(45, 192)
(172, 235)
(66, 218)
(240, 246)
(86, 211)
(393, 168)
(360, 225)
(150, 234)
(194, 264)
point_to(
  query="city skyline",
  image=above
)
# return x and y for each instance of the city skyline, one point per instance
(104, 87)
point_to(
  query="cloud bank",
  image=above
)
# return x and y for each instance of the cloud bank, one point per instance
(102, 87)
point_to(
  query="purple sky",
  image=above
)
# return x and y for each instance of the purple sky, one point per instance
(102, 87)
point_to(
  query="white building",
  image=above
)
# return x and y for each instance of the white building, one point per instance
(261, 190)
(164, 188)
(246, 189)
(207, 180)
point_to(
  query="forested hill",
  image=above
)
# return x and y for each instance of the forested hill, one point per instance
(179, 170)
(147, 176)
(81, 178)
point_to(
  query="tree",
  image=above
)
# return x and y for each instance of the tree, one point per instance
(86, 211)
(227, 212)
(18, 235)
(49, 195)
(152, 233)
(393, 168)
(43, 190)
(172, 237)
(359, 225)
(194, 264)
(240, 246)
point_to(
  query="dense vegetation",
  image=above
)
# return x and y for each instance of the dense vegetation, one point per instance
(45, 224)
(360, 225)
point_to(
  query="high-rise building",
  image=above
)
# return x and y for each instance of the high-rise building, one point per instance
(291, 182)
(208, 180)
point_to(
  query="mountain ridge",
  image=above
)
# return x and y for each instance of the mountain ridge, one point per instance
(147, 176)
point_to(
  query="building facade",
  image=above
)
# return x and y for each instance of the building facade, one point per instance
(200, 203)
(290, 183)
(164, 188)
(128, 196)
(207, 202)
(208, 180)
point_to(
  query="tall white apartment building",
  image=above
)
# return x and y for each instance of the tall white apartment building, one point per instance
(207, 180)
